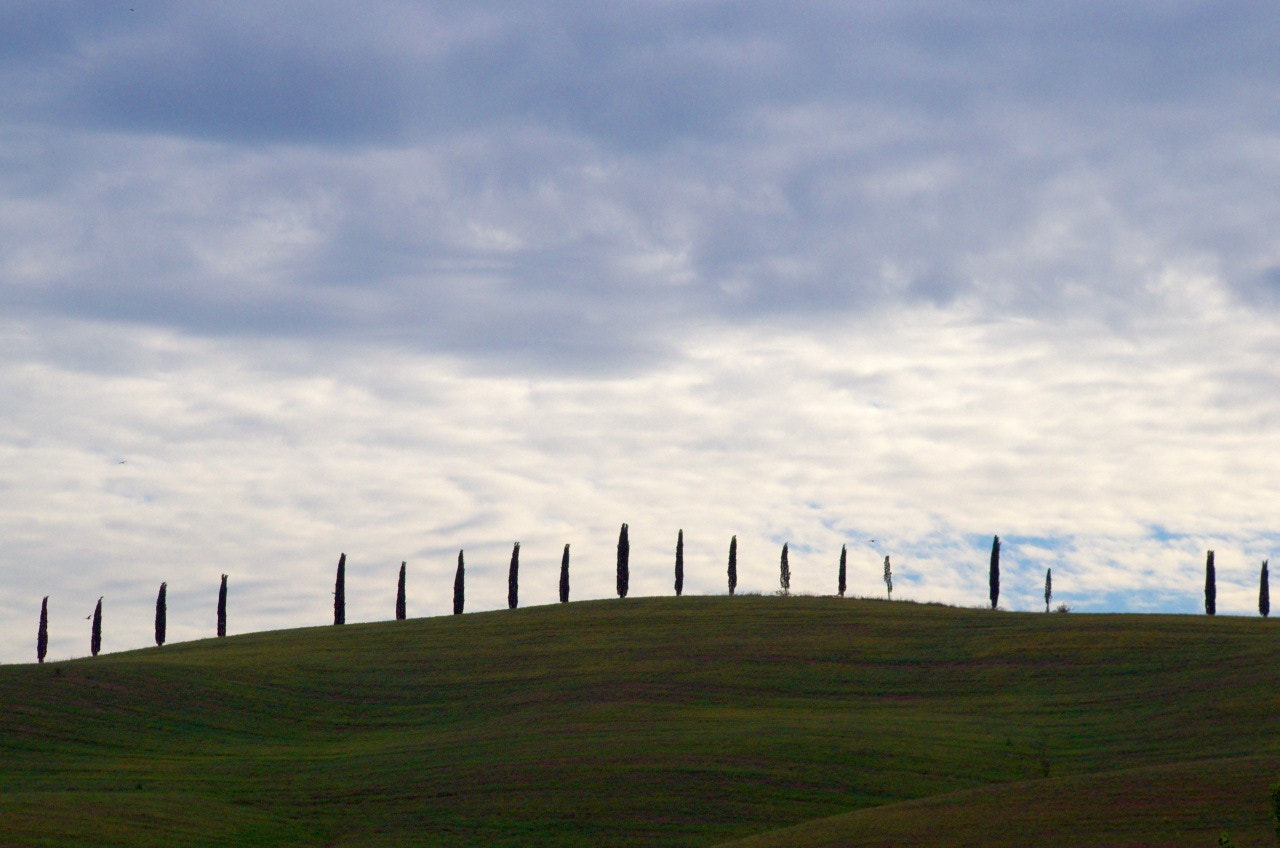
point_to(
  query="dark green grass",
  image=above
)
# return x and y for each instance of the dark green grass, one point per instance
(655, 721)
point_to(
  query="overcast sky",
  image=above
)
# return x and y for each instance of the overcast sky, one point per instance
(281, 281)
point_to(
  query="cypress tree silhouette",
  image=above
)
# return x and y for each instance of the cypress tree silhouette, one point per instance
(42, 632)
(784, 571)
(888, 578)
(1048, 587)
(1210, 587)
(222, 607)
(459, 580)
(624, 562)
(844, 555)
(161, 614)
(994, 576)
(733, 565)
(1264, 592)
(340, 592)
(400, 605)
(513, 579)
(680, 563)
(95, 634)
(564, 575)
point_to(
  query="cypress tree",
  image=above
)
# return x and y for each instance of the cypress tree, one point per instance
(1210, 587)
(888, 578)
(624, 562)
(42, 632)
(564, 575)
(459, 579)
(1264, 592)
(340, 592)
(222, 607)
(840, 583)
(784, 571)
(994, 575)
(679, 563)
(400, 605)
(513, 579)
(95, 634)
(1048, 587)
(161, 614)
(733, 565)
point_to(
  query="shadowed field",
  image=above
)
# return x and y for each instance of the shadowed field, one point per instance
(659, 721)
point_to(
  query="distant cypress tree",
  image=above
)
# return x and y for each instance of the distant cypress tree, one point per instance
(784, 571)
(679, 563)
(513, 578)
(994, 576)
(161, 613)
(95, 635)
(564, 575)
(624, 562)
(1048, 587)
(401, 612)
(459, 579)
(340, 592)
(733, 565)
(42, 632)
(1264, 592)
(1210, 587)
(888, 578)
(222, 607)
(840, 583)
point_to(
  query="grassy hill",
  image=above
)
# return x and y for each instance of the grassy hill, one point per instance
(751, 721)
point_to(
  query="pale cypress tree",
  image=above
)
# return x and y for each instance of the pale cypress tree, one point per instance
(95, 634)
(42, 632)
(994, 575)
(840, 582)
(513, 578)
(564, 575)
(1048, 587)
(161, 614)
(733, 565)
(459, 580)
(340, 592)
(888, 578)
(624, 562)
(222, 607)
(401, 611)
(1264, 592)
(1210, 587)
(679, 563)
(784, 571)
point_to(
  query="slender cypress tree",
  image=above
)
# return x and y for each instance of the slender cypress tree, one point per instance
(564, 575)
(340, 592)
(888, 578)
(680, 563)
(994, 576)
(624, 562)
(1210, 587)
(161, 613)
(840, 583)
(222, 607)
(784, 571)
(513, 578)
(1264, 592)
(733, 565)
(95, 634)
(401, 612)
(459, 580)
(42, 632)
(1048, 587)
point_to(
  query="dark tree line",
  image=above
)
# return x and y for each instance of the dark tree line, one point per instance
(733, 565)
(679, 563)
(624, 562)
(994, 574)
(513, 578)
(340, 592)
(1210, 586)
(161, 613)
(564, 575)
(400, 600)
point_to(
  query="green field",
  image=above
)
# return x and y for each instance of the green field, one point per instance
(699, 721)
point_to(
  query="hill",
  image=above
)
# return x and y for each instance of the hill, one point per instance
(659, 721)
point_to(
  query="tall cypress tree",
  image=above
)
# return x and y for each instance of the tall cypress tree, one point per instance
(1264, 592)
(161, 613)
(513, 578)
(1210, 587)
(888, 578)
(564, 575)
(340, 592)
(401, 611)
(784, 571)
(840, 583)
(95, 634)
(994, 576)
(222, 607)
(42, 632)
(459, 580)
(680, 563)
(624, 562)
(1048, 587)
(733, 565)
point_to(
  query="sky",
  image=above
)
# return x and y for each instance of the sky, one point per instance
(397, 279)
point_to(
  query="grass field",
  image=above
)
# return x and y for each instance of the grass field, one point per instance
(701, 721)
